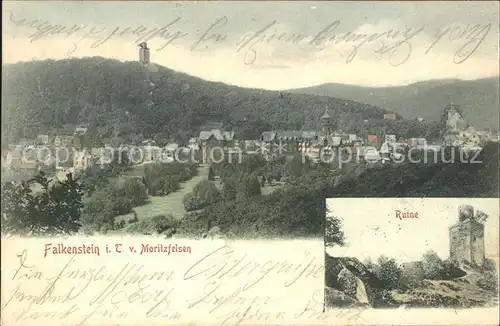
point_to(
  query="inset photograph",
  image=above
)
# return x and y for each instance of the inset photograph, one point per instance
(411, 253)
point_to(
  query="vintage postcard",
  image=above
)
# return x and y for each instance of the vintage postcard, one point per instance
(413, 253)
(172, 162)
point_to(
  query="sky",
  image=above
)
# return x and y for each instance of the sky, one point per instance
(272, 45)
(372, 229)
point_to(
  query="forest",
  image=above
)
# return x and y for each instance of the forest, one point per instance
(235, 204)
(284, 197)
(117, 103)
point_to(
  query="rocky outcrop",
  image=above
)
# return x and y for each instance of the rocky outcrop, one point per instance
(351, 277)
(349, 283)
(338, 299)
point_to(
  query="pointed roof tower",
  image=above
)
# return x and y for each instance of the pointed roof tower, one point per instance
(326, 115)
(326, 123)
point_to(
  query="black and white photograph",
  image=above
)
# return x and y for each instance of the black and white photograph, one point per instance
(411, 253)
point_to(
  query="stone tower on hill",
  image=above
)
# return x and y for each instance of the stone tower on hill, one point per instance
(467, 238)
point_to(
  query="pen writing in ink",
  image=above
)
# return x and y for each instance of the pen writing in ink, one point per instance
(93, 31)
(28, 313)
(51, 286)
(26, 271)
(47, 294)
(254, 311)
(111, 286)
(142, 32)
(102, 311)
(474, 40)
(246, 307)
(209, 35)
(408, 34)
(314, 309)
(324, 34)
(217, 264)
(44, 28)
(474, 36)
(249, 42)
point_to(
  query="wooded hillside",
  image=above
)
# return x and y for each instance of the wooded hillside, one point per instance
(50, 97)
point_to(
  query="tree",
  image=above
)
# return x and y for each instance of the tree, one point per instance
(164, 178)
(100, 210)
(55, 209)
(191, 202)
(160, 224)
(370, 265)
(207, 192)
(489, 265)
(333, 232)
(116, 198)
(248, 186)
(229, 188)
(388, 271)
(433, 265)
(204, 193)
(211, 175)
(135, 189)
(297, 166)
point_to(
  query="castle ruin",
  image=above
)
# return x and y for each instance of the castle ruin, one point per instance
(467, 238)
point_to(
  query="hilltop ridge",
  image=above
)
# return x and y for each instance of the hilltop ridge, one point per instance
(479, 98)
(113, 98)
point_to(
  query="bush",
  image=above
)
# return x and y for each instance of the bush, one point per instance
(434, 267)
(229, 189)
(248, 186)
(489, 281)
(164, 178)
(211, 175)
(55, 209)
(115, 199)
(489, 265)
(204, 193)
(170, 185)
(388, 271)
(162, 223)
(156, 224)
(120, 224)
(333, 232)
(134, 190)
(207, 193)
(190, 202)
(98, 210)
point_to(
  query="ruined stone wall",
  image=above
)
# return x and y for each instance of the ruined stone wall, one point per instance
(460, 244)
(467, 242)
(477, 243)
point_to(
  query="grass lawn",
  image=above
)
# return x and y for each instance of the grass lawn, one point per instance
(170, 204)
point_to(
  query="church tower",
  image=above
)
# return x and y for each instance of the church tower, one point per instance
(467, 238)
(326, 123)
